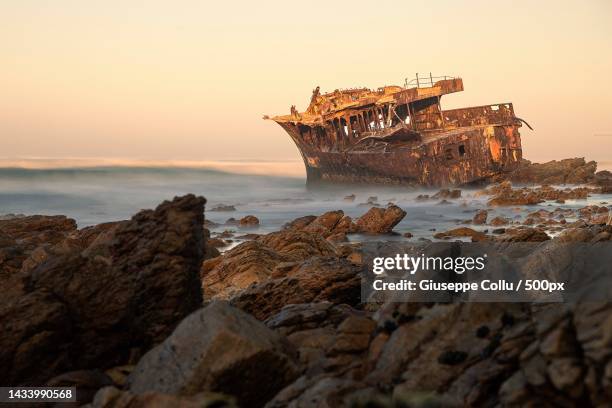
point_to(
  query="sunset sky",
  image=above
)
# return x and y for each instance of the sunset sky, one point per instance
(190, 80)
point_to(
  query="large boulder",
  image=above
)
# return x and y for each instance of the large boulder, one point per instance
(380, 220)
(218, 348)
(93, 307)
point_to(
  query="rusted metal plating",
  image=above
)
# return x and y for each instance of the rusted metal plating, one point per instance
(400, 135)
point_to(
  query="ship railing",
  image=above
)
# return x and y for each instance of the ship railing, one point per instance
(424, 80)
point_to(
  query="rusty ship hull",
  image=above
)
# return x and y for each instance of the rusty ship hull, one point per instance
(400, 135)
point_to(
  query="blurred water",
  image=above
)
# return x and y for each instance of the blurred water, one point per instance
(100, 194)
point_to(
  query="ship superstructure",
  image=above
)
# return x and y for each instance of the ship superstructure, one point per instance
(400, 134)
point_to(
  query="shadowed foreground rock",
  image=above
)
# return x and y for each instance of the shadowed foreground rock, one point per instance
(218, 348)
(101, 294)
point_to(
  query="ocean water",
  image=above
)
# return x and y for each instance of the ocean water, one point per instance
(92, 195)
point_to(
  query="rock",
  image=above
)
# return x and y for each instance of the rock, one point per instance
(452, 357)
(408, 235)
(255, 261)
(600, 219)
(225, 234)
(435, 349)
(250, 221)
(505, 195)
(461, 232)
(216, 243)
(515, 197)
(331, 223)
(210, 246)
(568, 171)
(241, 266)
(211, 224)
(111, 397)
(318, 279)
(222, 349)
(328, 337)
(298, 245)
(120, 374)
(576, 235)
(325, 223)
(445, 193)
(82, 308)
(21, 236)
(604, 180)
(322, 390)
(337, 237)
(231, 221)
(223, 208)
(524, 235)
(350, 198)
(300, 223)
(380, 220)
(497, 221)
(480, 217)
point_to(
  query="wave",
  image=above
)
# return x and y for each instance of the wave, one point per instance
(284, 168)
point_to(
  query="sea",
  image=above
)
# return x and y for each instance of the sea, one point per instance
(274, 192)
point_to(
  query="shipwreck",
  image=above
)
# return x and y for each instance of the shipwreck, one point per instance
(401, 135)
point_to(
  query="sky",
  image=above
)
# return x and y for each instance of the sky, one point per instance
(191, 80)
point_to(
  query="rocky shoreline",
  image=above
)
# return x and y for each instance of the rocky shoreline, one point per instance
(148, 312)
